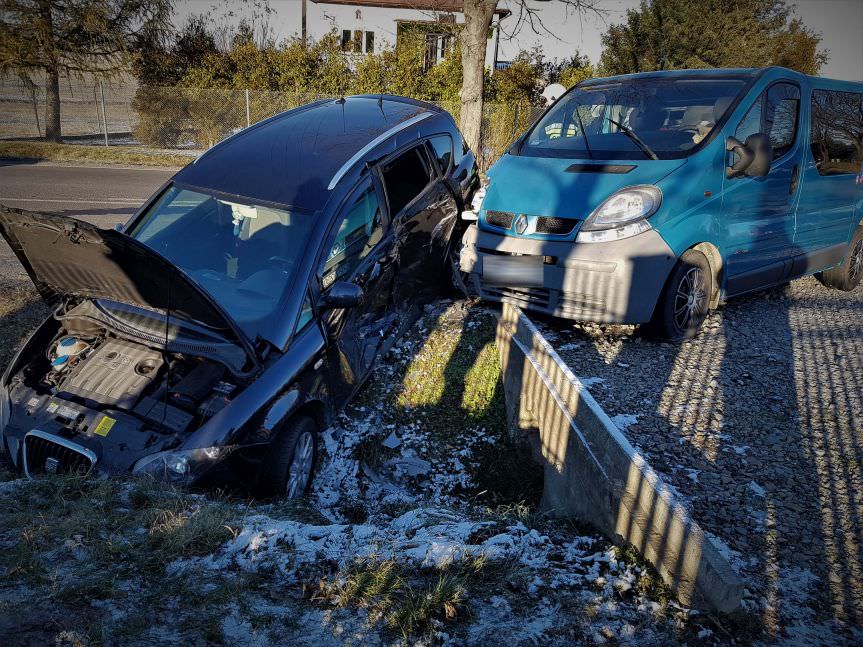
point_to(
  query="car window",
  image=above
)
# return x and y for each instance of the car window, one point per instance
(836, 136)
(442, 147)
(306, 314)
(359, 230)
(671, 116)
(780, 117)
(405, 178)
(245, 255)
(751, 122)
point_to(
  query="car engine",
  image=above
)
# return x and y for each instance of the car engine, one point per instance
(89, 372)
(116, 373)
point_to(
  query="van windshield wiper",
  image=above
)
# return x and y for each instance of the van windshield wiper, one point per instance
(626, 130)
(583, 132)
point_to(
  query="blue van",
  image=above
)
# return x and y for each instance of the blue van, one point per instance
(650, 198)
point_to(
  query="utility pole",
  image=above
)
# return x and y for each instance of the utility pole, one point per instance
(496, 44)
(303, 22)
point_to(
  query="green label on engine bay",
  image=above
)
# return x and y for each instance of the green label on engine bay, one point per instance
(104, 426)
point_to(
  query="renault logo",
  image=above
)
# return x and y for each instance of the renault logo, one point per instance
(520, 223)
(51, 465)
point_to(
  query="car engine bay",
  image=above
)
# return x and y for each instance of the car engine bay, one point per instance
(94, 381)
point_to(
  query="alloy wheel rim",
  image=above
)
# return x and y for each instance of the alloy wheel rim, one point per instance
(856, 267)
(301, 465)
(690, 302)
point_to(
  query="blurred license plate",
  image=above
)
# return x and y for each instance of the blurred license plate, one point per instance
(515, 271)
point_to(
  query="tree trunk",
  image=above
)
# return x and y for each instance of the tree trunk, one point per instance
(477, 21)
(52, 111)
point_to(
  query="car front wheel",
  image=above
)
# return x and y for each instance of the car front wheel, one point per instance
(685, 300)
(289, 466)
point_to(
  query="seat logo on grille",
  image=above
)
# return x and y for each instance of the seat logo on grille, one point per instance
(520, 223)
(51, 465)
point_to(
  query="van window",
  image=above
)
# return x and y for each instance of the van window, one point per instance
(442, 147)
(405, 178)
(774, 113)
(672, 116)
(780, 116)
(837, 131)
(360, 229)
(751, 122)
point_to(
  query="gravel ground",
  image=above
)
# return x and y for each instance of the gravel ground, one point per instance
(758, 423)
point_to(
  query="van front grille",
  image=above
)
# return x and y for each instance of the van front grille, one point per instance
(500, 219)
(554, 226)
(44, 453)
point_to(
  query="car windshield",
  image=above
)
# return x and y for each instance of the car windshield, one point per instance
(633, 119)
(243, 254)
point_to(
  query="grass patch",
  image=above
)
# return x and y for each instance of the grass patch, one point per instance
(405, 599)
(95, 154)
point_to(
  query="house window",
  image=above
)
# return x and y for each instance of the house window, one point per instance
(346, 39)
(370, 42)
(437, 47)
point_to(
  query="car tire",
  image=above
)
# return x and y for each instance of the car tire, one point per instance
(685, 300)
(847, 276)
(289, 466)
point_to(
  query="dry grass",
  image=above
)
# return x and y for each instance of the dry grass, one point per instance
(134, 155)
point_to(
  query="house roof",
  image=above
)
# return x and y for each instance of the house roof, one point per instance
(446, 6)
(290, 159)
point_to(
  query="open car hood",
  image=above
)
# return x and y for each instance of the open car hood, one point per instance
(66, 257)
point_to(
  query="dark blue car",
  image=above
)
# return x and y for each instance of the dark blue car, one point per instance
(243, 305)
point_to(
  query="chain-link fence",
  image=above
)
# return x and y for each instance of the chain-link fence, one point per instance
(190, 118)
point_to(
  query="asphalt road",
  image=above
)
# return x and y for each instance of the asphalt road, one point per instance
(105, 195)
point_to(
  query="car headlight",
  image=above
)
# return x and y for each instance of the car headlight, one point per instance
(624, 207)
(180, 465)
(5, 408)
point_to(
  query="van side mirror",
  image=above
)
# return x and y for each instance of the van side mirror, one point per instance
(754, 157)
(341, 295)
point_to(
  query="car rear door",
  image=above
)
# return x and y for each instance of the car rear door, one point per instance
(423, 212)
(360, 249)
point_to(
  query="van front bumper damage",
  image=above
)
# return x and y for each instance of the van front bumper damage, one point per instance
(609, 282)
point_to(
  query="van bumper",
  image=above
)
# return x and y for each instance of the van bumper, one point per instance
(612, 282)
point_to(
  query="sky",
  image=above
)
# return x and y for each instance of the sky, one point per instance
(840, 22)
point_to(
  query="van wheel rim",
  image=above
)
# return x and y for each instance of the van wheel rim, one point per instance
(690, 302)
(301, 466)
(855, 270)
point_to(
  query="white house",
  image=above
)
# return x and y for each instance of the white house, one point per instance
(369, 26)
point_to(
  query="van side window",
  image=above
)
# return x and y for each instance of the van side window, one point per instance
(751, 122)
(405, 178)
(442, 147)
(780, 117)
(836, 136)
(360, 229)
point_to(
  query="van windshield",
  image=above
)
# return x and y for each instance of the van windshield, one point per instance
(634, 119)
(245, 255)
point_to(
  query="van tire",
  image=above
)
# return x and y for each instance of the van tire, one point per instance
(292, 454)
(847, 276)
(685, 300)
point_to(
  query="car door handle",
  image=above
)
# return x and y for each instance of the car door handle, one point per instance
(795, 178)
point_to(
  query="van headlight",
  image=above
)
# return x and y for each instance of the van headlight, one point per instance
(180, 465)
(623, 213)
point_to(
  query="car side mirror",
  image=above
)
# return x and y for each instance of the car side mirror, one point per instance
(754, 157)
(341, 295)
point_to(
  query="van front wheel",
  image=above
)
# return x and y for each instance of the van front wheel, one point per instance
(847, 276)
(685, 300)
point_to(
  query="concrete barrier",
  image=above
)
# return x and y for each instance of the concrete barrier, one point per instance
(593, 473)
